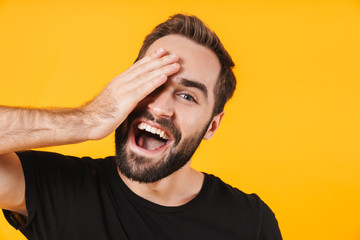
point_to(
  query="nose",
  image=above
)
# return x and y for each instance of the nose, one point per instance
(161, 104)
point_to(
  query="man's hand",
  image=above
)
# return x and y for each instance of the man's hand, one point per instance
(111, 107)
(24, 128)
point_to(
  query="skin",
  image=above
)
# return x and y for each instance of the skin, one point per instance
(101, 116)
(177, 102)
(26, 128)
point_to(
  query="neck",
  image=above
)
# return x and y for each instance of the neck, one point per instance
(175, 190)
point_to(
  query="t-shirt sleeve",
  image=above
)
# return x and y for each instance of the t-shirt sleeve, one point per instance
(52, 183)
(269, 226)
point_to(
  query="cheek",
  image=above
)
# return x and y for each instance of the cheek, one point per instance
(193, 121)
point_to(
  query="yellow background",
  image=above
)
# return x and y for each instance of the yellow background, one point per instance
(291, 133)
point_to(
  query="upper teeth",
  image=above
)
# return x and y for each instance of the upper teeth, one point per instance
(153, 130)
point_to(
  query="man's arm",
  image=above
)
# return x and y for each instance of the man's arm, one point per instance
(25, 128)
(22, 128)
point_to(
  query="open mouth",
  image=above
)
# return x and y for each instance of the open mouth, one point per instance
(149, 137)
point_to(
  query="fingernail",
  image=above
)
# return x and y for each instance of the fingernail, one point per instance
(161, 50)
(175, 65)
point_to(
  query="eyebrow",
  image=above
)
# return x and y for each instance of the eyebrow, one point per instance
(194, 84)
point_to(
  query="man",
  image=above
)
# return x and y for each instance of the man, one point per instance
(166, 103)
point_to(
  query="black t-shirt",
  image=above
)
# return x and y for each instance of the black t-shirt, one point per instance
(82, 198)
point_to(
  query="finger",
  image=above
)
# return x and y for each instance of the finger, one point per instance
(158, 53)
(155, 54)
(152, 66)
(152, 80)
(149, 86)
(158, 73)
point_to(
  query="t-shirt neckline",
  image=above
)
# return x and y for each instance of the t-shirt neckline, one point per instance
(119, 183)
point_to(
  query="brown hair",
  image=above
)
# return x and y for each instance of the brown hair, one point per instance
(194, 29)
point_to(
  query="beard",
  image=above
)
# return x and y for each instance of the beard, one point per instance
(145, 170)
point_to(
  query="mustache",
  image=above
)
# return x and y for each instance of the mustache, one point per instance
(165, 123)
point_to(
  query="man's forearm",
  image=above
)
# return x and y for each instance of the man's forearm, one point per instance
(24, 128)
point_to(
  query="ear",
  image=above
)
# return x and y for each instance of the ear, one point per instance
(213, 126)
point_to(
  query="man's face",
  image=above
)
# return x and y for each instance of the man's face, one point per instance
(163, 131)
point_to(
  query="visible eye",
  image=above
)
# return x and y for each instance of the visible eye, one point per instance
(188, 97)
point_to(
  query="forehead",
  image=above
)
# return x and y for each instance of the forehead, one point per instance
(197, 62)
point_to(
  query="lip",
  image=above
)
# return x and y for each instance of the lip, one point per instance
(143, 151)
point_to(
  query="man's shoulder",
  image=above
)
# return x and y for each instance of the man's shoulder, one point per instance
(219, 185)
(53, 156)
(51, 161)
(247, 208)
(229, 194)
